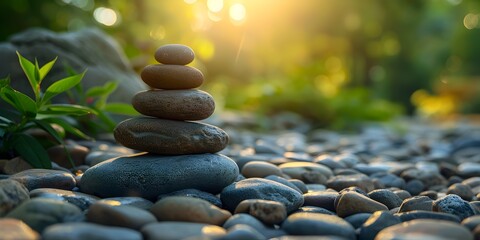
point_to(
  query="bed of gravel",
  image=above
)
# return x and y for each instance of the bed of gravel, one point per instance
(412, 181)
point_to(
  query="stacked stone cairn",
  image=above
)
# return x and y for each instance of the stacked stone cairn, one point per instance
(176, 152)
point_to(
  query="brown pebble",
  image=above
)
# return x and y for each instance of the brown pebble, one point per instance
(177, 54)
(172, 76)
(269, 212)
(174, 104)
(119, 216)
(189, 209)
(352, 202)
(13, 229)
(169, 137)
(260, 169)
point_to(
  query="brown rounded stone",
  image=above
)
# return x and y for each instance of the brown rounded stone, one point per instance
(170, 137)
(174, 104)
(171, 76)
(269, 212)
(181, 230)
(352, 202)
(119, 216)
(174, 54)
(59, 155)
(260, 169)
(425, 229)
(189, 209)
(15, 229)
(308, 172)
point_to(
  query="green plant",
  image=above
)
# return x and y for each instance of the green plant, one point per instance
(37, 112)
(96, 98)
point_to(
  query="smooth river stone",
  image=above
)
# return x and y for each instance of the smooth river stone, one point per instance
(177, 54)
(172, 76)
(318, 224)
(425, 229)
(259, 188)
(188, 104)
(168, 137)
(149, 175)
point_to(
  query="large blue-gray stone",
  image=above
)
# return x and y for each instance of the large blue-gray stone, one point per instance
(148, 175)
(259, 188)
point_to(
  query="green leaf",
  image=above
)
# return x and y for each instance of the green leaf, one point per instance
(20, 101)
(49, 129)
(29, 70)
(61, 86)
(45, 69)
(65, 109)
(4, 82)
(68, 127)
(5, 120)
(106, 89)
(30, 150)
(120, 108)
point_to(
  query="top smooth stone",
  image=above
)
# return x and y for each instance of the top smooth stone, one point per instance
(171, 77)
(176, 54)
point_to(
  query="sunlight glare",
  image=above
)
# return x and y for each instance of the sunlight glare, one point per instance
(471, 21)
(237, 12)
(215, 5)
(190, 1)
(105, 16)
(158, 33)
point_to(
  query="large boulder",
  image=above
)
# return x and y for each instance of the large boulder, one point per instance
(87, 49)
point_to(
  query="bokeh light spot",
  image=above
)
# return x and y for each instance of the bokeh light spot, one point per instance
(190, 1)
(470, 21)
(105, 16)
(238, 12)
(215, 5)
(158, 33)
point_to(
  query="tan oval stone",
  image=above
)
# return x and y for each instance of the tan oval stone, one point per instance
(119, 216)
(177, 54)
(189, 209)
(260, 169)
(425, 229)
(308, 172)
(12, 229)
(170, 137)
(352, 202)
(171, 76)
(174, 104)
(269, 212)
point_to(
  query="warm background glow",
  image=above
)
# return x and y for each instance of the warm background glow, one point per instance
(322, 59)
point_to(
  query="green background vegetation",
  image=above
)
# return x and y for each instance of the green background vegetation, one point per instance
(334, 62)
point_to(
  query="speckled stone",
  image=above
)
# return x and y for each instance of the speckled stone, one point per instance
(12, 193)
(13, 229)
(425, 229)
(181, 230)
(188, 104)
(259, 188)
(149, 175)
(455, 205)
(318, 224)
(269, 212)
(171, 77)
(188, 209)
(168, 137)
(83, 230)
(45, 178)
(177, 54)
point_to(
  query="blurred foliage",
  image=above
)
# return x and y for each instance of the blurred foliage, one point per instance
(331, 61)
